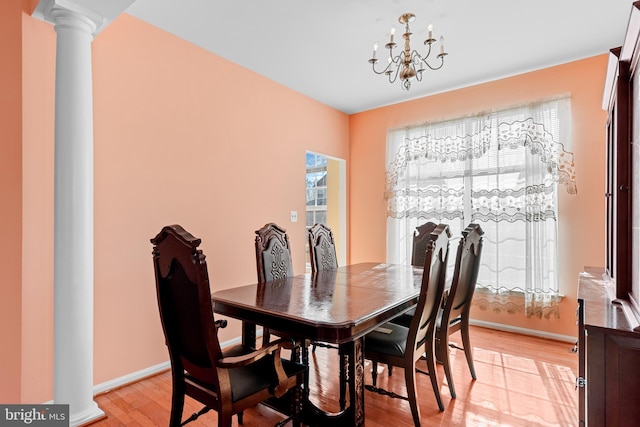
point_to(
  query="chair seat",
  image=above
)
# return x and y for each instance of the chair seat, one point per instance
(405, 318)
(254, 377)
(389, 339)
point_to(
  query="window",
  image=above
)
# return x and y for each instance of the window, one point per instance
(501, 170)
(316, 189)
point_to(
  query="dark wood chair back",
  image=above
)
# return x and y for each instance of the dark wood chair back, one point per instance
(322, 249)
(184, 301)
(465, 275)
(454, 316)
(421, 237)
(273, 253)
(423, 323)
(397, 345)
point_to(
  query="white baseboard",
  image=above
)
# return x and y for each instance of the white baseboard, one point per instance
(152, 370)
(524, 331)
(130, 378)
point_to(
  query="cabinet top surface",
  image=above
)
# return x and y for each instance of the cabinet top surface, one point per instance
(596, 291)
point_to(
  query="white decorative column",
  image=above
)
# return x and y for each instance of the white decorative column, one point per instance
(75, 23)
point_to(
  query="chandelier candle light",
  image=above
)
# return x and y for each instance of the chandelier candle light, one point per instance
(408, 63)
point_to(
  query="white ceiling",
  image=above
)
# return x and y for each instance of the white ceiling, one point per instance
(320, 48)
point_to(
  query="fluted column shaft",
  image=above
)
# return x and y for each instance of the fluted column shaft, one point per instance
(73, 216)
(76, 22)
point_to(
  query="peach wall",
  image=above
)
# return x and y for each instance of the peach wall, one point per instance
(37, 193)
(11, 191)
(581, 217)
(183, 136)
(180, 136)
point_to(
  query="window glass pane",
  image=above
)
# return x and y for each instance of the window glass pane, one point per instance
(310, 219)
(316, 191)
(311, 197)
(321, 199)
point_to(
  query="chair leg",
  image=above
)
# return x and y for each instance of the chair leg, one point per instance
(410, 380)
(266, 336)
(446, 363)
(177, 403)
(224, 419)
(431, 366)
(390, 370)
(466, 344)
(374, 372)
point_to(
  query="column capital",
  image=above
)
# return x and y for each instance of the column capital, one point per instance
(97, 14)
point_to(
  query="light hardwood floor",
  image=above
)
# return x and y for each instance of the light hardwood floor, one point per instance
(522, 381)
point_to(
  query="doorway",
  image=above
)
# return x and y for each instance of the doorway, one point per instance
(326, 199)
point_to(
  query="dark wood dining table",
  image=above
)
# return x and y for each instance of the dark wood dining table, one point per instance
(338, 306)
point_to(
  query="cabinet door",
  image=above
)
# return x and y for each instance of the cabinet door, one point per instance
(620, 185)
(595, 343)
(622, 380)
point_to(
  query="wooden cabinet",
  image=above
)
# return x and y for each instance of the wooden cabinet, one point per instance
(609, 359)
(609, 297)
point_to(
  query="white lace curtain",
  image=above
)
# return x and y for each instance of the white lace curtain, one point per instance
(501, 170)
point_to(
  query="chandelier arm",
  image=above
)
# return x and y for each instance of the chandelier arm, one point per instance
(416, 54)
(437, 67)
(373, 67)
(429, 50)
(390, 72)
(417, 59)
(394, 62)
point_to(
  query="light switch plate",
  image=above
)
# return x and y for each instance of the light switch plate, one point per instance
(294, 216)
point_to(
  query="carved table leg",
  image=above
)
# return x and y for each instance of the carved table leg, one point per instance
(355, 373)
(249, 334)
(353, 414)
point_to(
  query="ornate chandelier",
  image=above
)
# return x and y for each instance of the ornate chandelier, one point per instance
(408, 63)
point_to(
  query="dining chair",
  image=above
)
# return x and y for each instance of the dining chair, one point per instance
(273, 253)
(454, 314)
(273, 262)
(273, 259)
(227, 381)
(322, 254)
(322, 248)
(397, 345)
(421, 237)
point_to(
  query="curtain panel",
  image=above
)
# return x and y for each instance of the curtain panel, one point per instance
(502, 170)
